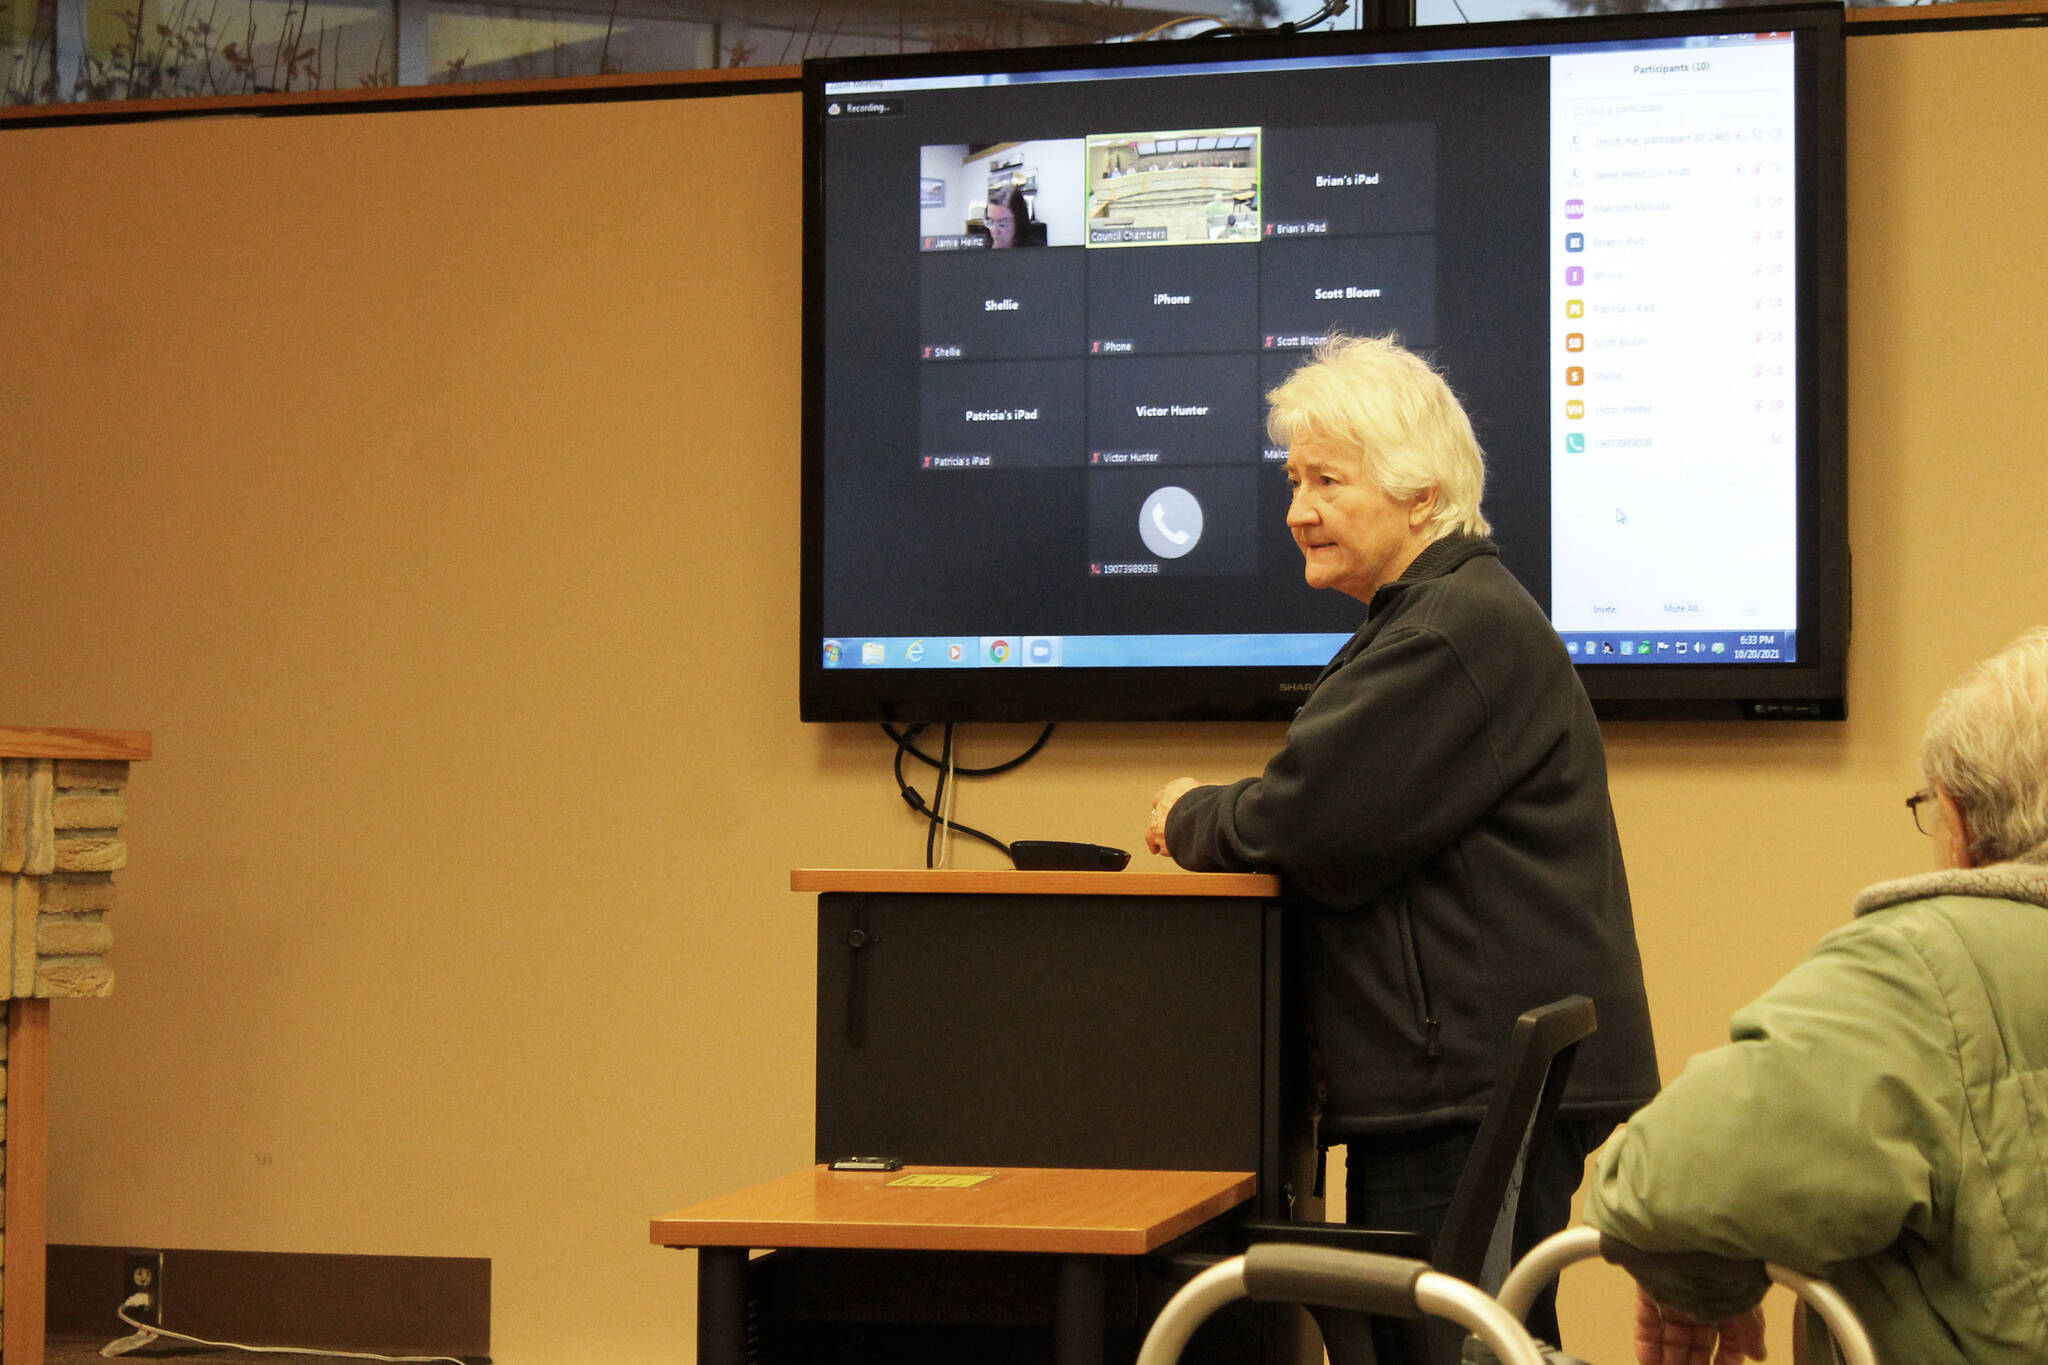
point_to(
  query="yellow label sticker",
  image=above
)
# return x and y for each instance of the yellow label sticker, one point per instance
(939, 1180)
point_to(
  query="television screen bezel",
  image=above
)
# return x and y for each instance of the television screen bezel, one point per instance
(1812, 688)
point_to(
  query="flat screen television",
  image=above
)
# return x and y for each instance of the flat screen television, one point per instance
(1046, 291)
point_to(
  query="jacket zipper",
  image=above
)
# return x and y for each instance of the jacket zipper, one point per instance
(1432, 1031)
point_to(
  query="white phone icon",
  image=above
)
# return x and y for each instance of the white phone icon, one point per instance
(1159, 520)
(1170, 522)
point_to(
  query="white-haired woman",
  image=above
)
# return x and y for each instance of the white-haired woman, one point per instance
(1881, 1116)
(1439, 810)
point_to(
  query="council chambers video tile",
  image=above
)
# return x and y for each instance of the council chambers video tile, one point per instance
(998, 305)
(1336, 182)
(1017, 414)
(1174, 410)
(1173, 299)
(1365, 286)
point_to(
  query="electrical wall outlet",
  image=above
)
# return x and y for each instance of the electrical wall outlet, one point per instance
(145, 1275)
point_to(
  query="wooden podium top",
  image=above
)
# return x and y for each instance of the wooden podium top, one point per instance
(962, 1208)
(1005, 882)
(27, 741)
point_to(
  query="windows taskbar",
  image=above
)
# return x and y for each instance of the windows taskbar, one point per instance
(1311, 650)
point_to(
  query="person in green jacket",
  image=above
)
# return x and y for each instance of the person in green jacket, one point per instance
(1881, 1115)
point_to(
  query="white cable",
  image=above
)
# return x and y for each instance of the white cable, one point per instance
(144, 1334)
(946, 825)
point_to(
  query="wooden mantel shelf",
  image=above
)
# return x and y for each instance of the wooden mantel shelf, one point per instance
(28, 741)
(1001, 881)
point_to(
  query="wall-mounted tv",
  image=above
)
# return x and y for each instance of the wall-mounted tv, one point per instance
(1047, 290)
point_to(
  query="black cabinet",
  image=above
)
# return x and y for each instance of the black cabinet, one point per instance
(1114, 1031)
(1115, 1021)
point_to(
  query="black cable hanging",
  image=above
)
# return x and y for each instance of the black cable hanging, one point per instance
(1330, 10)
(906, 743)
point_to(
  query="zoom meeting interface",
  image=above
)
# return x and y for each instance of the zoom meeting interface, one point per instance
(1053, 303)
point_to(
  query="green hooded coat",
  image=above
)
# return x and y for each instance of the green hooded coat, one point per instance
(1880, 1119)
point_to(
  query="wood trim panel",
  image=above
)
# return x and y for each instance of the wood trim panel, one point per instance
(1004, 882)
(316, 1301)
(28, 1179)
(1878, 16)
(28, 741)
(1060, 1212)
(561, 88)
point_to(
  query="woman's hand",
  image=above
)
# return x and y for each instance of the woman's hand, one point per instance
(1665, 1336)
(1162, 804)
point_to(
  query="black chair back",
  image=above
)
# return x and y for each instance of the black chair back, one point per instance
(1534, 1069)
(1533, 1073)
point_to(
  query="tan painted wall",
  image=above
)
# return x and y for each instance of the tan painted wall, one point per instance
(427, 484)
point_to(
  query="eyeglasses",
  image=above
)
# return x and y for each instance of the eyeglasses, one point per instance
(1919, 801)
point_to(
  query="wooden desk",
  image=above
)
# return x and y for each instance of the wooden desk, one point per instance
(1080, 1216)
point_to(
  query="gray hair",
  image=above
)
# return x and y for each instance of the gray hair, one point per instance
(1987, 746)
(1373, 399)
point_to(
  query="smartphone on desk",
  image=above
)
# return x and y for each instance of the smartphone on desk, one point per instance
(867, 1163)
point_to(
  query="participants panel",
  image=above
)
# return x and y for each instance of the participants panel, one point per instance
(1199, 522)
(1366, 286)
(1173, 411)
(1021, 414)
(1337, 182)
(1172, 299)
(999, 305)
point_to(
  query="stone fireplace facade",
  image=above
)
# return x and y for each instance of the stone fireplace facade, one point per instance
(60, 846)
